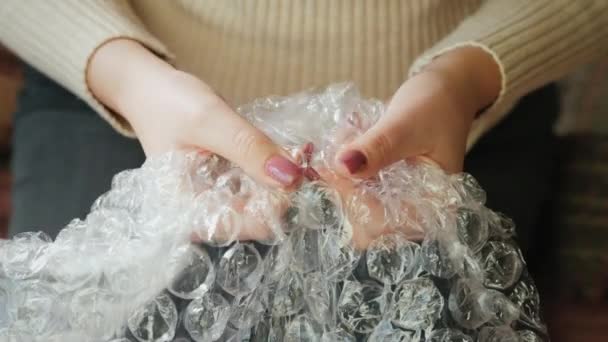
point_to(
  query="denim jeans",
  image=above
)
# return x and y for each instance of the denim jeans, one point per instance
(65, 156)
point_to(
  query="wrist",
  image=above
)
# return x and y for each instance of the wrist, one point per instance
(124, 76)
(476, 75)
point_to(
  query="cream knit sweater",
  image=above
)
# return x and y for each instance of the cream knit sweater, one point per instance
(252, 48)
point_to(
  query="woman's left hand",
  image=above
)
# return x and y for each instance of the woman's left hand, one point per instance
(429, 116)
(428, 119)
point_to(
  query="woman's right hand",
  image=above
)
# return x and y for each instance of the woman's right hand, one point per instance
(169, 109)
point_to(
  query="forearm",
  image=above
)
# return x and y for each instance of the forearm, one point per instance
(474, 67)
(172, 110)
(125, 76)
(59, 38)
(532, 42)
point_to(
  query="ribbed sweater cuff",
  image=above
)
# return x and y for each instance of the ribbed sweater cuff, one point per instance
(533, 42)
(59, 37)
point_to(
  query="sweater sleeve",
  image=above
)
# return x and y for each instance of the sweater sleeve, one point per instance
(534, 42)
(59, 37)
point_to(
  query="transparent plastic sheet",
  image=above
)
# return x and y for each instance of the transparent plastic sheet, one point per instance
(412, 255)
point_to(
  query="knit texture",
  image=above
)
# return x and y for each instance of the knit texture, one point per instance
(249, 49)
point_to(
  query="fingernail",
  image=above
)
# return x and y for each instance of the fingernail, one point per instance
(311, 174)
(308, 149)
(282, 170)
(354, 161)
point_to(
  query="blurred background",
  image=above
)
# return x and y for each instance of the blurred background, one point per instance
(10, 82)
(569, 262)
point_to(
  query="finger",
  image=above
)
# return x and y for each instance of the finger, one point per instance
(389, 140)
(232, 137)
(449, 149)
(241, 219)
(450, 159)
(367, 214)
(225, 224)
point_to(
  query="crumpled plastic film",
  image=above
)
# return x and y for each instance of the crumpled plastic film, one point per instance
(411, 255)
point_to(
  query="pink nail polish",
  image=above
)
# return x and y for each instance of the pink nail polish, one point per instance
(311, 174)
(308, 149)
(354, 161)
(282, 170)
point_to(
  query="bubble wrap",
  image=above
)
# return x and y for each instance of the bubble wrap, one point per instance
(411, 255)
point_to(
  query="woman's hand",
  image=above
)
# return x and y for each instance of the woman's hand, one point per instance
(429, 116)
(428, 119)
(170, 109)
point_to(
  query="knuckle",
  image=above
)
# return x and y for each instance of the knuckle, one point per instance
(193, 113)
(213, 104)
(203, 110)
(193, 116)
(381, 147)
(245, 142)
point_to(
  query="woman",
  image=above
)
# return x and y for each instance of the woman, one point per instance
(155, 70)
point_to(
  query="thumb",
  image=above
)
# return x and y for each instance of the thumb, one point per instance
(235, 139)
(391, 139)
